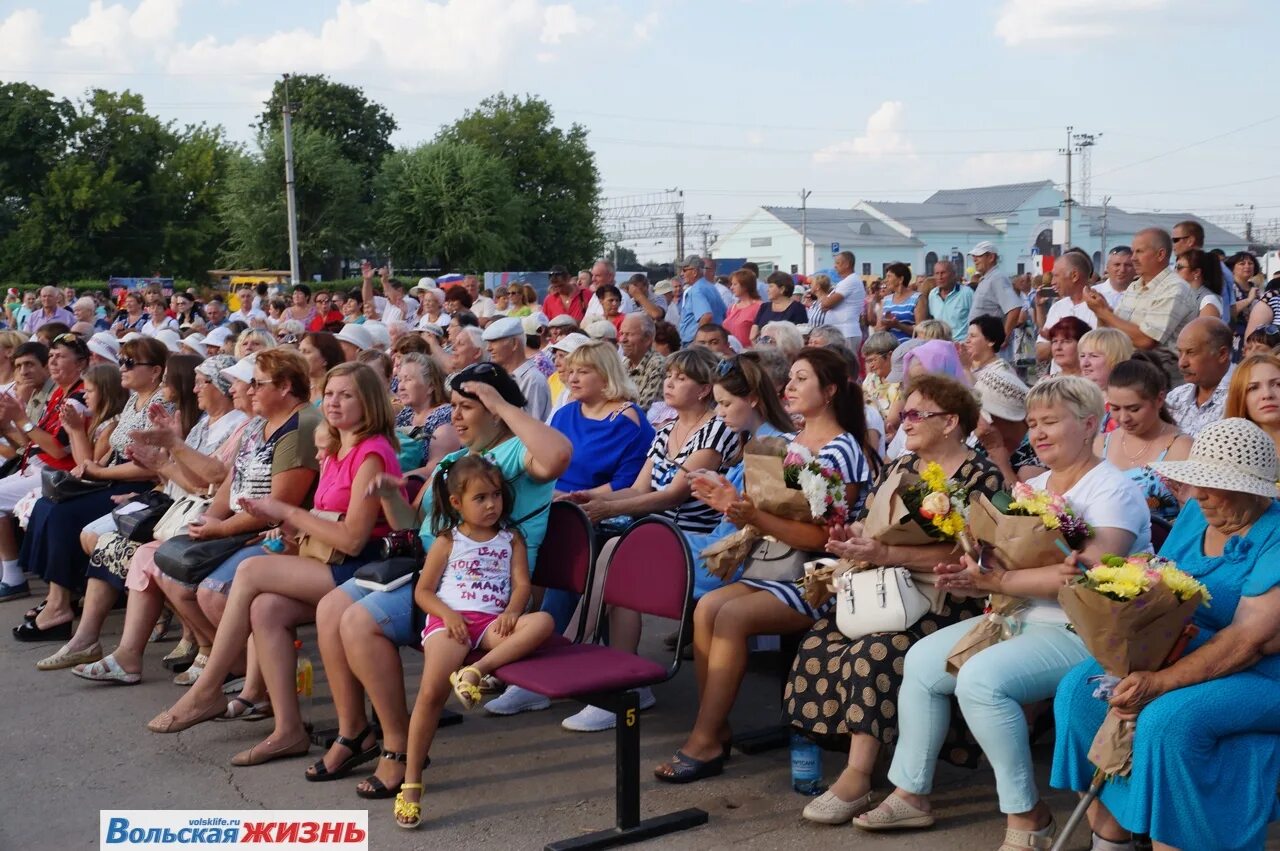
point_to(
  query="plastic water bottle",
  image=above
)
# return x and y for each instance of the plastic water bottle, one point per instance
(274, 545)
(305, 679)
(806, 766)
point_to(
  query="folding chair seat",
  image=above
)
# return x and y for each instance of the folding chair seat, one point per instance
(651, 572)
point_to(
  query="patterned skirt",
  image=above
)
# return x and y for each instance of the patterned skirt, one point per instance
(110, 559)
(840, 687)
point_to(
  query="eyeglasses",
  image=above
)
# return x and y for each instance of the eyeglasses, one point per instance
(255, 383)
(1180, 238)
(764, 340)
(911, 415)
(1181, 267)
(66, 338)
(287, 339)
(127, 364)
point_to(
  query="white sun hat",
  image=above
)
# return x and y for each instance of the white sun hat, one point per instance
(1233, 455)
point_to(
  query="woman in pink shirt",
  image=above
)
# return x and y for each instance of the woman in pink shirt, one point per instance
(742, 313)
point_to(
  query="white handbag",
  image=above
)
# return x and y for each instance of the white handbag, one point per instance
(179, 516)
(882, 599)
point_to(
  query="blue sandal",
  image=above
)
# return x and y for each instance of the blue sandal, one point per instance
(685, 769)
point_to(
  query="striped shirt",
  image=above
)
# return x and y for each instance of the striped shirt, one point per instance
(693, 516)
(845, 455)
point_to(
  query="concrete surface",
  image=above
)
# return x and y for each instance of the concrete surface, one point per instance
(73, 747)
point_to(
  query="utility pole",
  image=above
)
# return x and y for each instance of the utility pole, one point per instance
(291, 203)
(1106, 199)
(1084, 145)
(680, 230)
(804, 231)
(1067, 202)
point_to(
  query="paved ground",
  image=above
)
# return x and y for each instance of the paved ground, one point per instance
(74, 747)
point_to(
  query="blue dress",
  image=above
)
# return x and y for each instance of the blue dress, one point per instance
(1160, 499)
(1206, 758)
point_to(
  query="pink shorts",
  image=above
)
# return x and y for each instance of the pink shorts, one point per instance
(477, 623)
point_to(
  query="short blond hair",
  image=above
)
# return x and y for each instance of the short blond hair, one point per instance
(932, 329)
(601, 357)
(1080, 396)
(1111, 342)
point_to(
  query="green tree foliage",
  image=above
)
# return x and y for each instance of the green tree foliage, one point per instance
(332, 214)
(124, 198)
(449, 204)
(554, 172)
(34, 132)
(361, 127)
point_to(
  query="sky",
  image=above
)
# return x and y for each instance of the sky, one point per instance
(741, 103)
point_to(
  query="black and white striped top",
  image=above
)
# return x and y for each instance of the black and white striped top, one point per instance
(693, 516)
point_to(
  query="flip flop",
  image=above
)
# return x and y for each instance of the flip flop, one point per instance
(685, 769)
(106, 670)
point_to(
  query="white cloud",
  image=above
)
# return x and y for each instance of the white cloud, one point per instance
(645, 26)
(20, 37)
(471, 42)
(1022, 21)
(1004, 167)
(104, 28)
(883, 136)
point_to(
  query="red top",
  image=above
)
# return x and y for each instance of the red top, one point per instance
(333, 492)
(51, 422)
(323, 319)
(553, 305)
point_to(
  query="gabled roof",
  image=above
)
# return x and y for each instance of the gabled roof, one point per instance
(990, 200)
(1123, 222)
(847, 227)
(927, 217)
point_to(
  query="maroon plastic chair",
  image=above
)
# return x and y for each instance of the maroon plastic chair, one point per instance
(567, 557)
(650, 571)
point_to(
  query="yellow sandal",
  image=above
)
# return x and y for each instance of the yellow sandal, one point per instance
(408, 813)
(467, 692)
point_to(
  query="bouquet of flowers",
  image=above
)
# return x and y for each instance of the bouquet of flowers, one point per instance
(911, 509)
(1027, 528)
(786, 481)
(1131, 612)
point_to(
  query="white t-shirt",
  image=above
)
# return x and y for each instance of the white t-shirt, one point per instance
(1207, 297)
(1110, 294)
(595, 311)
(875, 423)
(390, 313)
(484, 307)
(846, 314)
(477, 577)
(1104, 498)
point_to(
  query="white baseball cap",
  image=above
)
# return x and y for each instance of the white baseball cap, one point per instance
(602, 329)
(105, 345)
(501, 329)
(570, 343)
(379, 335)
(218, 336)
(243, 369)
(356, 335)
(172, 339)
(984, 247)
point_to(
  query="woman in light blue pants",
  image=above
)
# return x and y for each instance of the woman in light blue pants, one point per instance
(993, 685)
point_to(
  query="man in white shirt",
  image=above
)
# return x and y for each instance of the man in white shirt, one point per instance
(602, 273)
(247, 312)
(1070, 279)
(844, 304)
(395, 305)
(504, 340)
(481, 305)
(1120, 273)
(648, 303)
(709, 272)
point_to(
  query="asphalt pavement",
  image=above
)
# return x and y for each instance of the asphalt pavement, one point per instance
(74, 747)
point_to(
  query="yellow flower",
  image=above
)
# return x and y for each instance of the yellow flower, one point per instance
(934, 477)
(951, 525)
(1050, 521)
(1183, 584)
(1123, 590)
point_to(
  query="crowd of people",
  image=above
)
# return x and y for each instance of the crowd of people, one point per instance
(280, 444)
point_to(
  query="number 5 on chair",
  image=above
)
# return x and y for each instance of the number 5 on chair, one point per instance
(631, 717)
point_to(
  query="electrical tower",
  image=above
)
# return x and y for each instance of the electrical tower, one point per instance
(1084, 143)
(655, 215)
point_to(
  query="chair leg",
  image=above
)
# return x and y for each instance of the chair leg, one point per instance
(629, 827)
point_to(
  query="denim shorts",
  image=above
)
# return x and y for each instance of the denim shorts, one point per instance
(393, 611)
(220, 580)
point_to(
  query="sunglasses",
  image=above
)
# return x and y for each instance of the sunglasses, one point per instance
(726, 366)
(255, 383)
(764, 340)
(911, 415)
(127, 364)
(287, 338)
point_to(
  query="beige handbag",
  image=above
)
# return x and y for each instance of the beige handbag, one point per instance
(180, 514)
(310, 547)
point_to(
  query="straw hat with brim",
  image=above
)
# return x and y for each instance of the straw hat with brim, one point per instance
(1232, 455)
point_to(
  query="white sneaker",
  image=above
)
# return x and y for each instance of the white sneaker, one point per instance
(593, 719)
(516, 700)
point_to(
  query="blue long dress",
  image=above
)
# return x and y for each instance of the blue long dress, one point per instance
(1206, 758)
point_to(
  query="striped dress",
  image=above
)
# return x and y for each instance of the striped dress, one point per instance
(692, 516)
(845, 455)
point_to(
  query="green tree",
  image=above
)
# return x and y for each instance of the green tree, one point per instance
(448, 204)
(35, 129)
(192, 181)
(554, 172)
(332, 214)
(361, 126)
